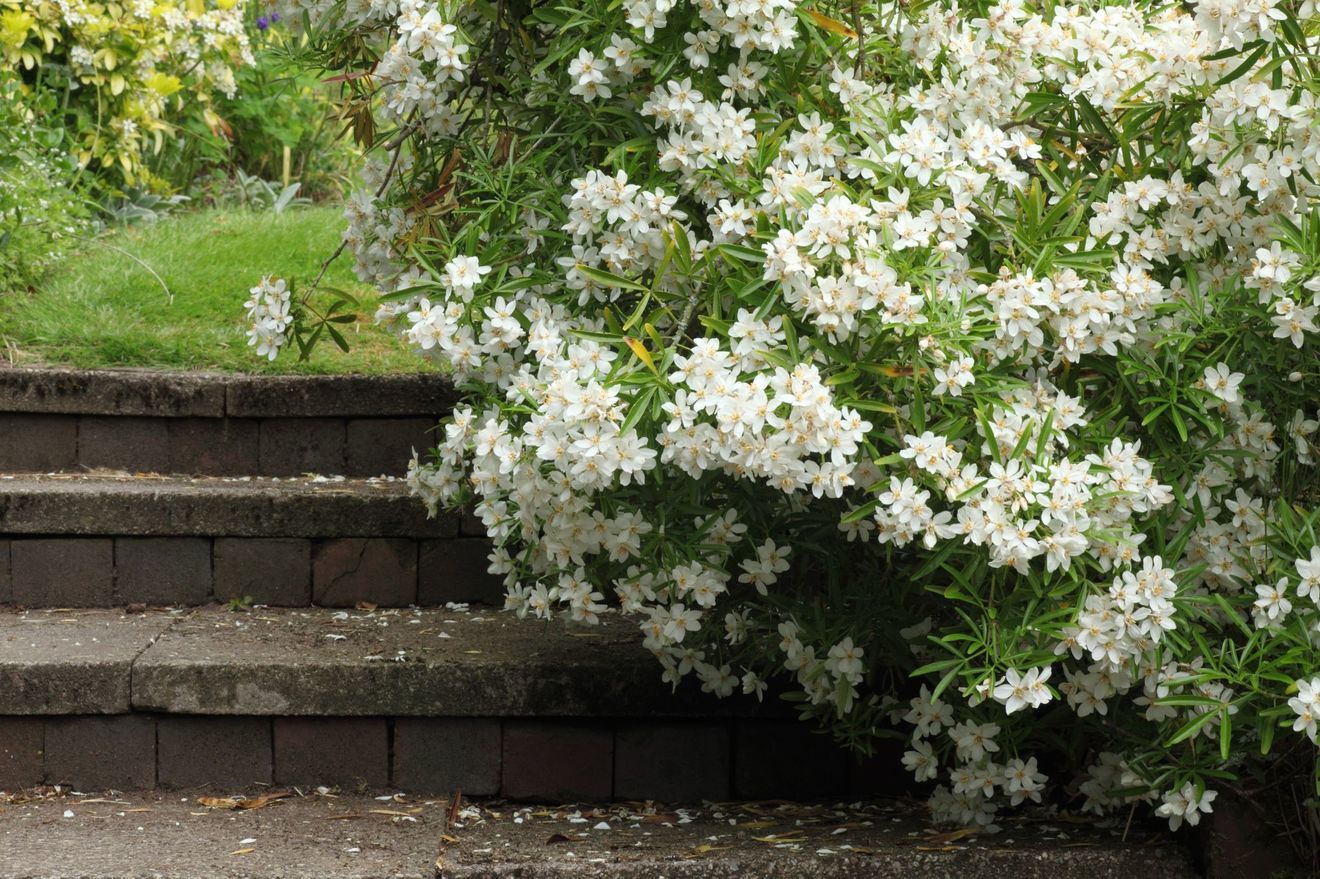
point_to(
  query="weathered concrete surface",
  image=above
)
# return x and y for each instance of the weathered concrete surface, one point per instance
(174, 837)
(346, 395)
(54, 662)
(111, 392)
(883, 841)
(214, 506)
(430, 662)
(214, 395)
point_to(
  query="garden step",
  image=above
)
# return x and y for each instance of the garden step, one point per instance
(170, 394)
(99, 540)
(100, 836)
(466, 662)
(420, 662)
(423, 700)
(213, 424)
(108, 503)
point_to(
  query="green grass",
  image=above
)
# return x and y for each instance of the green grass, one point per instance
(102, 308)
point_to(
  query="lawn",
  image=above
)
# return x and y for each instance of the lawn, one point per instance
(104, 308)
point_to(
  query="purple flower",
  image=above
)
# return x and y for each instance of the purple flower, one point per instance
(274, 16)
(262, 23)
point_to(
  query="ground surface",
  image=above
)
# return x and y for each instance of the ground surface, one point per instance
(773, 840)
(321, 836)
(317, 837)
(103, 307)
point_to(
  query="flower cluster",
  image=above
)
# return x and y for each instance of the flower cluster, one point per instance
(268, 312)
(859, 342)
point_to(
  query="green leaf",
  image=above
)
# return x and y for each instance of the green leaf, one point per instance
(1190, 728)
(609, 279)
(338, 337)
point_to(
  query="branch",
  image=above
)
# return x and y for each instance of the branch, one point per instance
(395, 146)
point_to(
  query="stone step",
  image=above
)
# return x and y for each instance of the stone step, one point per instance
(100, 540)
(416, 699)
(95, 836)
(218, 425)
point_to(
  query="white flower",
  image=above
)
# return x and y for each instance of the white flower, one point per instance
(920, 760)
(974, 740)
(1307, 706)
(1027, 690)
(845, 660)
(1272, 603)
(1309, 572)
(1185, 805)
(1222, 383)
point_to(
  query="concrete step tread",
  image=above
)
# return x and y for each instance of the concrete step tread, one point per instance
(176, 394)
(352, 837)
(434, 662)
(109, 503)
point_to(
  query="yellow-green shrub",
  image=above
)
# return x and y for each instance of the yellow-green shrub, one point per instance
(123, 70)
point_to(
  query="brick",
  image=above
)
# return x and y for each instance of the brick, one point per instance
(216, 752)
(348, 752)
(21, 743)
(117, 443)
(163, 570)
(38, 443)
(290, 446)
(381, 570)
(269, 570)
(470, 525)
(6, 577)
(214, 446)
(672, 762)
(455, 570)
(443, 754)
(63, 572)
(785, 759)
(99, 753)
(882, 773)
(383, 446)
(557, 761)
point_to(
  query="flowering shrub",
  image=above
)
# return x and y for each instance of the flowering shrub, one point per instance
(39, 217)
(122, 68)
(952, 364)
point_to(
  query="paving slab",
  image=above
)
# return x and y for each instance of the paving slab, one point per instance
(111, 392)
(787, 841)
(412, 662)
(167, 394)
(174, 837)
(284, 396)
(54, 662)
(106, 503)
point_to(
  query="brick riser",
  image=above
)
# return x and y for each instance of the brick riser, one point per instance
(279, 571)
(278, 446)
(671, 761)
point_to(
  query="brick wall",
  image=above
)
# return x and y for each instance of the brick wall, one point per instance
(277, 571)
(674, 761)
